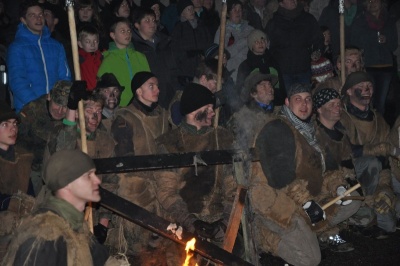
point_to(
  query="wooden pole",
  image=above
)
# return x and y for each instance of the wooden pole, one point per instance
(342, 42)
(77, 72)
(221, 55)
(347, 192)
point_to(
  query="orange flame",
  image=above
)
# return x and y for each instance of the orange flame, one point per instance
(189, 255)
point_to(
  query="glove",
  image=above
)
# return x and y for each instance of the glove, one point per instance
(77, 93)
(340, 191)
(100, 232)
(214, 231)
(314, 211)
(382, 203)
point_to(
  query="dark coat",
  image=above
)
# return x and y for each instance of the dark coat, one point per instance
(188, 44)
(162, 63)
(293, 38)
(210, 19)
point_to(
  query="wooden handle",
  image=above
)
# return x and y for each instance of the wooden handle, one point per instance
(77, 71)
(220, 55)
(347, 192)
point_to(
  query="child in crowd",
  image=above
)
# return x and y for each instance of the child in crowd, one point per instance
(121, 59)
(90, 56)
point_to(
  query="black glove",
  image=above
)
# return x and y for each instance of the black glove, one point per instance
(77, 93)
(100, 232)
(314, 211)
(210, 230)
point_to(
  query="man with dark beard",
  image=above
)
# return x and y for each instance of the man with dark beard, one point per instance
(110, 89)
(199, 200)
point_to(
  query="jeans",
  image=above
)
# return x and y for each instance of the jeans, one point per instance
(381, 77)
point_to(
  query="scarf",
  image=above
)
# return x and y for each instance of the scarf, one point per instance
(376, 23)
(266, 107)
(306, 129)
(65, 210)
(366, 115)
(349, 14)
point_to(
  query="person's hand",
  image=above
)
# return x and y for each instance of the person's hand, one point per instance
(382, 203)
(77, 92)
(100, 232)
(214, 231)
(340, 192)
(314, 211)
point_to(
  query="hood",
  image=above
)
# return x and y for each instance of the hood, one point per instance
(24, 33)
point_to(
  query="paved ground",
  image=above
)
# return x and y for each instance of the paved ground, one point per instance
(368, 252)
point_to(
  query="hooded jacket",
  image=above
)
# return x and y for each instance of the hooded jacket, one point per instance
(35, 63)
(124, 64)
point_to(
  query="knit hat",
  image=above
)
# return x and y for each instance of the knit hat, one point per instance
(60, 92)
(255, 35)
(139, 79)
(182, 4)
(321, 69)
(231, 3)
(149, 3)
(323, 96)
(252, 80)
(355, 78)
(298, 88)
(108, 80)
(194, 97)
(65, 166)
(213, 50)
(6, 112)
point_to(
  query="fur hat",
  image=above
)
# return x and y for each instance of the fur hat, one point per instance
(355, 78)
(65, 166)
(252, 80)
(6, 112)
(139, 79)
(108, 80)
(255, 35)
(194, 97)
(60, 92)
(182, 4)
(298, 88)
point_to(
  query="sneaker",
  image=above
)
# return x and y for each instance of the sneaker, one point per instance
(338, 244)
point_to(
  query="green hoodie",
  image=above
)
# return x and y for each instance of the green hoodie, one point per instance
(124, 64)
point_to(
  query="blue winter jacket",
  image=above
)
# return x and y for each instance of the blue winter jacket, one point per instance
(35, 63)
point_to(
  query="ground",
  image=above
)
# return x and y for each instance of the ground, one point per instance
(367, 252)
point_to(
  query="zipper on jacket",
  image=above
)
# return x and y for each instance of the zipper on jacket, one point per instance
(44, 64)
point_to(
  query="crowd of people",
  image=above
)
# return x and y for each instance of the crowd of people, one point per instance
(149, 85)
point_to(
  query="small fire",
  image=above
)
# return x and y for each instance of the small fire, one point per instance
(189, 255)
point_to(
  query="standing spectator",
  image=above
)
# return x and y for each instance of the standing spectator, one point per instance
(86, 11)
(157, 48)
(90, 56)
(121, 59)
(157, 7)
(189, 39)
(35, 61)
(259, 12)
(259, 57)
(375, 32)
(330, 18)
(208, 16)
(294, 35)
(236, 34)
